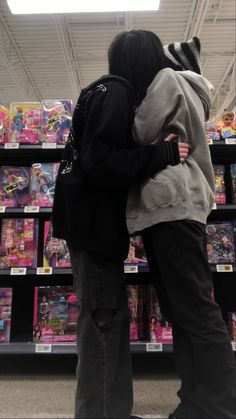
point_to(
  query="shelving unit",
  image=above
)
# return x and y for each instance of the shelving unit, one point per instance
(24, 281)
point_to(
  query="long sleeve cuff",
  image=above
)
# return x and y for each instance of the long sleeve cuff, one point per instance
(171, 150)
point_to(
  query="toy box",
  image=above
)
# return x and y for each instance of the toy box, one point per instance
(136, 255)
(5, 314)
(212, 131)
(233, 182)
(55, 253)
(142, 312)
(56, 310)
(4, 124)
(160, 331)
(219, 172)
(220, 243)
(42, 184)
(18, 242)
(14, 186)
(133, 311)
(55, 116)
(25, 122)
(232, 325)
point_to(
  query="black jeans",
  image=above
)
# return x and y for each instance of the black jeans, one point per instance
(176, 253)
(104, 374)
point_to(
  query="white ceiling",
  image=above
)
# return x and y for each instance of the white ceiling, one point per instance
(54, 56)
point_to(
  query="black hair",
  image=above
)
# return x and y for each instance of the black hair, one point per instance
(137, 55)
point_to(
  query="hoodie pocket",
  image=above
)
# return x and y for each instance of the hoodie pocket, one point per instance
(156, 193)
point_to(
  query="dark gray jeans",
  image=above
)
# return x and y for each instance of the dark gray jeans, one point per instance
(104, 374)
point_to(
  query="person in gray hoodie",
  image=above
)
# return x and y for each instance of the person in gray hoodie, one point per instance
(171, 209)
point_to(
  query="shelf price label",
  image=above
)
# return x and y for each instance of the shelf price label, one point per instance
(11, 146)
(31, 208)
(2, 209)
(234, 346)
(214, 206)
(44, 271)
(43, 348)
(18, 271)
(154, 347)
(49, 145)
(131, 269)
(210, 141)
(230, 141)
(224, 268)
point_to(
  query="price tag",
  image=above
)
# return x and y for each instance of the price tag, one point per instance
(234, 346)
(31, 208)
(11, 146)
(49, 145)
(154, 347)
(18, 271)
(230, 141)
(44, 271)
(210, 141)
(43, 348)
(224, 268)
(131, 269)
(214, 206)
(2, 209)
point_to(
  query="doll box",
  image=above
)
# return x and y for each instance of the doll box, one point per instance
(5, 314)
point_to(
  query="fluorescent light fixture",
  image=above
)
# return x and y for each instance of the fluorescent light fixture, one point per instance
(21, 7)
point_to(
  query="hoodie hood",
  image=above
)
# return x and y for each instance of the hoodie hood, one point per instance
(202, 87)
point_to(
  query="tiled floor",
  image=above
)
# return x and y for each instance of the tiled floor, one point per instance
(46, 394)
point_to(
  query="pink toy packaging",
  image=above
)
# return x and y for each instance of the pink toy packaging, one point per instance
(55, 116)
(212, 131)
(142, 312)
(5, 314)
(233, 182)
(219, 172)
(25, 123)
(232, 325)
(133, 311)
(160, 331)
(4, 124)
(136, 255)
(14, 186)
(56, 310)
(19, 242)
(42, 185)
(220, 243)
(56, 253)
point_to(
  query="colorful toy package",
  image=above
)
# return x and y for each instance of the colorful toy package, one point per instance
(160, 331)
(232, 325)
(136, 255)
(133, 311)
(25, 122)
(56, 310)
(18, 242)
(219, 171)
(233, 182)
(14, 186)
(212, 131)
(220, 243)
(4, 124)
(5, 314)
(55, 253)
(142, 312)
(55, 116)
(42, 184)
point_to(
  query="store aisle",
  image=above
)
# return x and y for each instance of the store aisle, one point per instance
(44, 394)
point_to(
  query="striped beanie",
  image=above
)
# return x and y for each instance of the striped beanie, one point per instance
(185, 54)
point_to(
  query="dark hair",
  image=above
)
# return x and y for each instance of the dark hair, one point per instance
(137, 55)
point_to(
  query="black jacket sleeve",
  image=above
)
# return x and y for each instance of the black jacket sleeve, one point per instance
(105, 155)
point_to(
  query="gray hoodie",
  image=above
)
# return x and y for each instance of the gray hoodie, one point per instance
(176, 102)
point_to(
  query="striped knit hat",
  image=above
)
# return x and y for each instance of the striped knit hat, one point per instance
(185, 54)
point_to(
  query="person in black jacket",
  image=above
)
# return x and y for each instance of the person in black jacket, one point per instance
(99, 165)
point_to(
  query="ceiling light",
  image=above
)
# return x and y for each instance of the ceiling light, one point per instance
(78, 6)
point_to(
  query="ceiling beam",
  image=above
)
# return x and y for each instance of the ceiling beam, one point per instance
(128, 21)
(11, 43)
(218, 11)
(226, 73)
(74, 53)
(73, 79)
(203, 9)
(228, 100)
(190, 20)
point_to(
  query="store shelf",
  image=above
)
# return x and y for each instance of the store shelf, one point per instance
(222, 153)
(30, 211)
(30, 153)
(25, 348)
